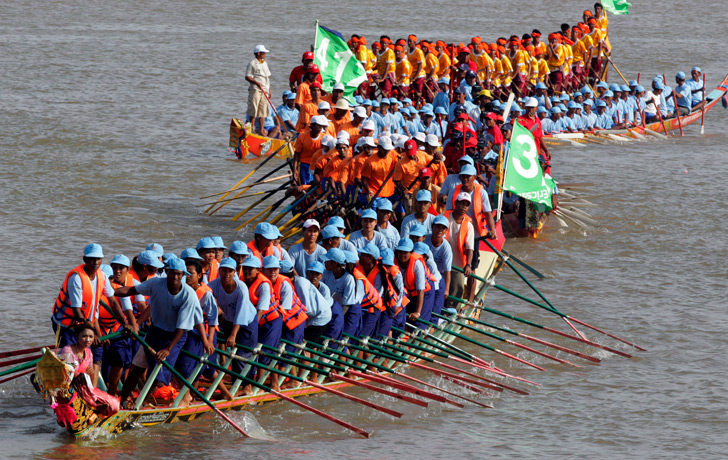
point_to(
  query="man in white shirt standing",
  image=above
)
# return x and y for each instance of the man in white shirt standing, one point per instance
(258, 75)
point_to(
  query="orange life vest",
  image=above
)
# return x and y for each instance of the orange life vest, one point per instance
(297, 314)
(107, 323)
(371, 299)
(268, 252)
(409, 275)
(274, 310)
(212, 270)
(394, 271)
(201, 291)
(462, 236)
(89, 306)
(393, 297)
(480, 223)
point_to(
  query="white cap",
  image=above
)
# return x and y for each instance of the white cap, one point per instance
(420, 137)
(323, 105)
(342, 140)
(386, 143)
(342, 104)
(464, 196)
(260, 49)
(327, 138)
(399, 143)
(311, 222)
(339, 86)
(369, 141)
(360, 112)
(367, 124)
(359, 143)
(320, 120)
(344, 134)
(531, 102)
(330, 143)
(431, 139)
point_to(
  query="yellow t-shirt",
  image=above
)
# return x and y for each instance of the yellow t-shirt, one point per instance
(555, 60)
(577, 50)
(519, 61)
(569, 56)
(402, 72)
(506, 69)
(431, 64)
(416, 58)
(484, 62)
(444, 67)
(385, 62)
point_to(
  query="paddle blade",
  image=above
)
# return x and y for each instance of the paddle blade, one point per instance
(498, 242)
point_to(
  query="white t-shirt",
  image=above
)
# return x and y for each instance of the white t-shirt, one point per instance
(259, 72)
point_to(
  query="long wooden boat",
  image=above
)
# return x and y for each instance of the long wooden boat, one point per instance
(89, 420)
(671, 124)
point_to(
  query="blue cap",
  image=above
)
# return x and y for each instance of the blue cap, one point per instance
(406, 100)
(266, 230)
(459, 90)
(696, 69)
(589, 102)
(441, 110)
(441, 220)
(366, 102)
(369, 214)
(383, 204)
(427, 112)
(335, 255)
(375, 103)
(331, 231)
(555, 110)
(609, 93)
(424, 195)
(93, 250)
(561, 106)
(156, 248)
(586, 90)
(614, 87)
(601, 103)
(238, 247)
(121, 259)
(680, 75)
(387, 256)
(444, 81)
(577, 94)
(555, 99)
(393, 100)
(405, 244)
(286, 266)
(205, 243)
(540, 85)
(467, 158)
(515, 108)
(422, 248)
(178, 265)
(358, 99)
(291, 96)
(659, 85)
(603, 84)
(336, 221)
(229, 262)
(218, 242)
(658, 78)
(107, 270)
(633, 83)
(564, 97)
(370, 249)
(418, 230)
(640, 88)
(351, 257)
(271, 262)
(190, 253)
(252, 262)
(625, 88)
(542, 109)
(149, 258)
(168, 255)
(468, 170)
(571, 105)
(286, 93)
(317, 267)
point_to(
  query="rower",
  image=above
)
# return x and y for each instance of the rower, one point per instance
(368, 273)
(239, 252)
(427, 183)
(335, 326)
(698, 86)
(289, 114)
(442, 255)
(604, 121)
(461, 238)
(394, 312)
(262, 245)
(421, 215)
(384, 226)
(385, 67)
(309, 109)
(298, 73)
(368, 233)
(306, 145)
(338, 223)
(416, 58)
(405, 176)
(402, 71)
(343, 287)
(453, 180)
(318, 306)
(417, 286)
(308, 251)
(78, 301)
(434, 276)
(172, 310)
(684, 94)
(206, 250)
(219, 247)
(556, 59)
(239, 320)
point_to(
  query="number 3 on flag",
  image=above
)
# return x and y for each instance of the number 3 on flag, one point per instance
(529, 153)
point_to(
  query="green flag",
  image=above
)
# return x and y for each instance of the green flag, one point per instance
(336, 62)
(616, 6)
(523, 174)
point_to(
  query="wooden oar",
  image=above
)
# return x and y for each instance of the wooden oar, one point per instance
(702, 109)
(240, 227)
(234, 187)
(24, 359)
(25, 351)
(677, 113)
(504, 340)
(272, 179)
(249, 195)
(192, 388)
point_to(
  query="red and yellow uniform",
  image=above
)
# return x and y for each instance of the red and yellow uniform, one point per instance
(520, 61)
(506, 69)
(432, 64)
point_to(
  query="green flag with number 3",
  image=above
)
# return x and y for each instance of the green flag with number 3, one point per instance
(336, 62)
(523, 174)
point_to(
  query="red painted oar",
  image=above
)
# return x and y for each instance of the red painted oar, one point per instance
(381, 379)
(500, 385)
(421, 382)
(12, 377)
(498, 372)
(24, 359)
(442, 373)
(607, 334)
(368, 386)
(7, 354)
(364, 402)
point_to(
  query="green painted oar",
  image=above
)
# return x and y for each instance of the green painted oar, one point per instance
(480, 344)
(539, 326)
(504, 340)
(192, 388)
(278, 394)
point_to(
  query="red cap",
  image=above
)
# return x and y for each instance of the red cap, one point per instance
(465, 116)
(313, 68)
(316, 85)
(471, 142)
(307, 55)
(410, 147)
(425, 172)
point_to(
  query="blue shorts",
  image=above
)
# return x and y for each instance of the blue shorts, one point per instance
(305, 172)
(335, 327)
(247, 336)
(384, 325)
(270, 334)
(295, 336)
(439, 301)
(67, 336)
(186, 364)
(118, 353)
(160, 339)
(369, 323)
(352, 320)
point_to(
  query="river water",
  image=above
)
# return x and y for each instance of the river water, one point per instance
(114, 121)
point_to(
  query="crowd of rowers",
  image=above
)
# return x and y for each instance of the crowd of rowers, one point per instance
(371, 282)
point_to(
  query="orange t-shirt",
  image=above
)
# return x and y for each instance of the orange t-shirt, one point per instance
(342, 171)
(306, 146)
(353, 131)
(356, 166)
(308, 110)
(376, 169)
(407, 171)
(303, 93)
(439, 172)
(337, 124)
